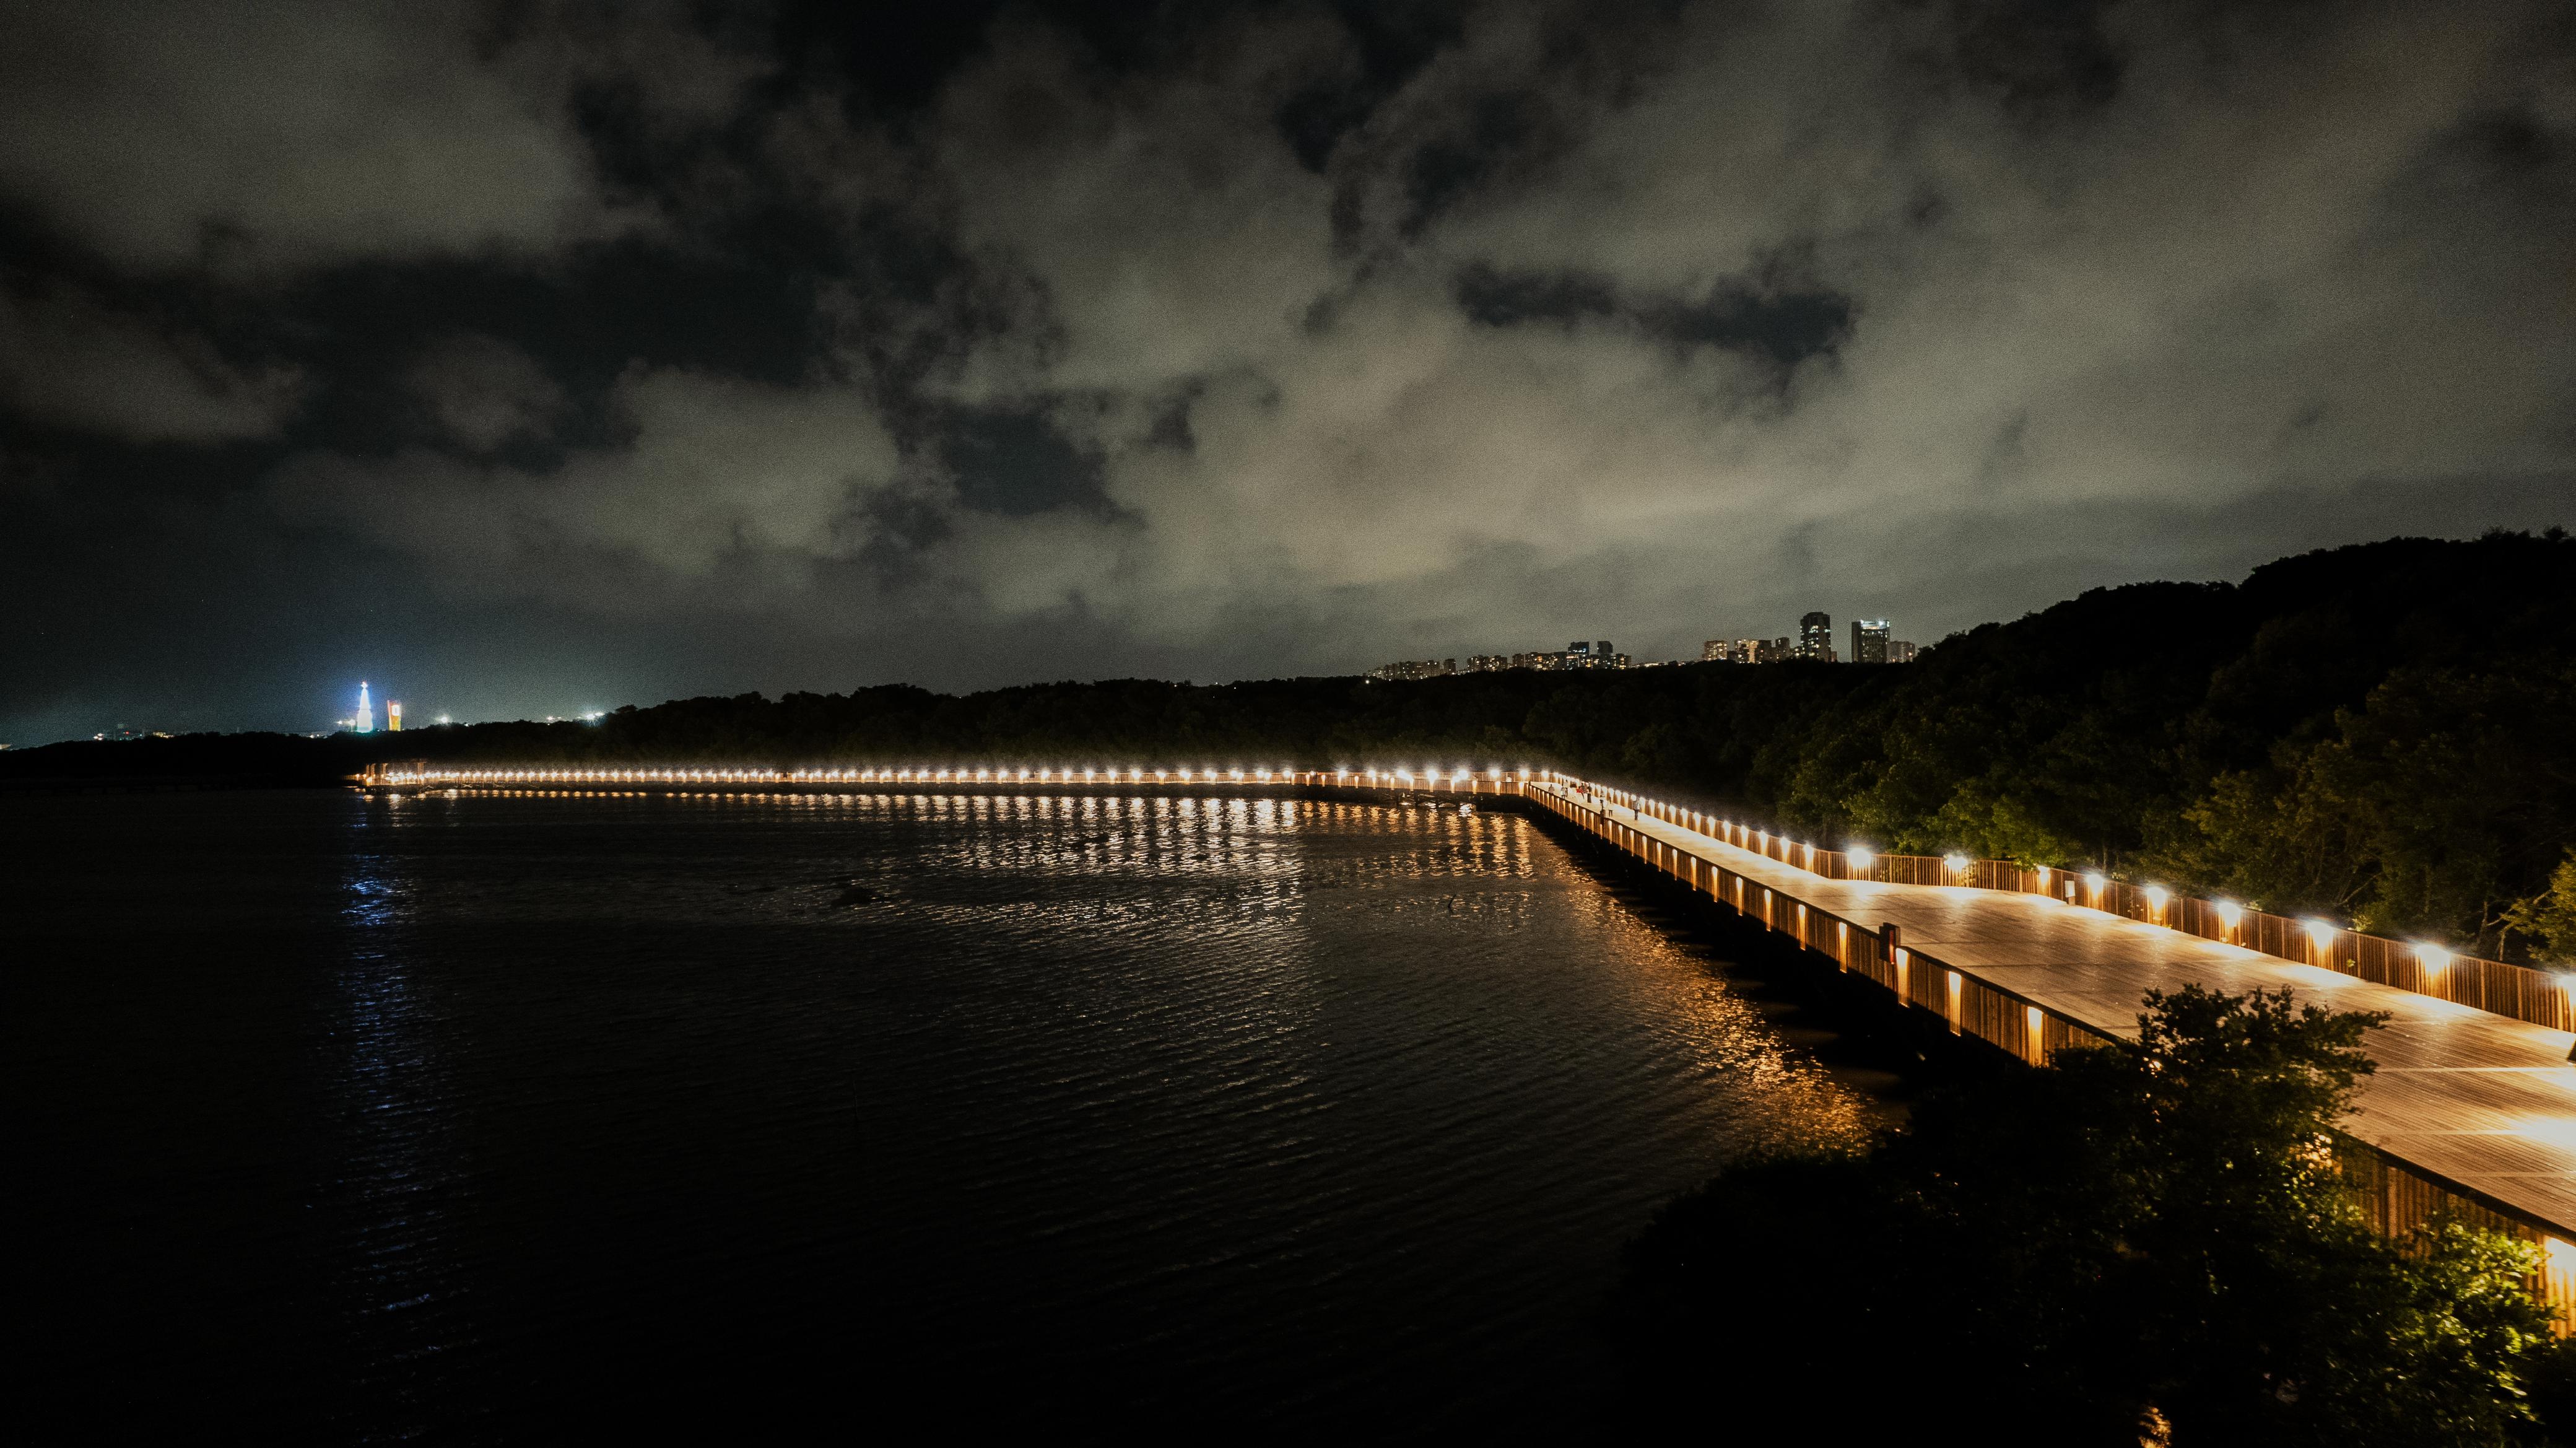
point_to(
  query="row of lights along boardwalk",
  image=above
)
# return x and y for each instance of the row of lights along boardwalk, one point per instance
(2472, 1111)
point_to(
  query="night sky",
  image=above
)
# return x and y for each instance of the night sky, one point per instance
(527, 360)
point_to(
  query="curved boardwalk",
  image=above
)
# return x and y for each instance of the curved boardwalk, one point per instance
(2469, 1112)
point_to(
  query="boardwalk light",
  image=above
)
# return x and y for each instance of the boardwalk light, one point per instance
(2156, 898)
(2558, 1258)
(2432, 957)
(1860, 856)
(2321, 934)
(2229, 912)
(1955, 864)
(2095, 883)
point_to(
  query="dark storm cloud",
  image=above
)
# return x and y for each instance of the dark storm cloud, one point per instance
(1015, 463)
(71, 358)
(614, 351)
(2043, 57)
(1770, 318)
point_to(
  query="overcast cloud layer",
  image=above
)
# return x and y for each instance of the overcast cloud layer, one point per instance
(531, 358)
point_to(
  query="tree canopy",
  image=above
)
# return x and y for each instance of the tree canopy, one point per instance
(2133, 1241)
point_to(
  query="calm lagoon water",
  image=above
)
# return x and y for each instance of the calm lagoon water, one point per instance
(508, 1118)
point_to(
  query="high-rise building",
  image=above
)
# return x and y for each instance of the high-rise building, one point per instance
(393, 716)
(365, 723)
(1899, 651)
(1816, 637)
(1748, 651)
(1869, 641)
(1717, 651)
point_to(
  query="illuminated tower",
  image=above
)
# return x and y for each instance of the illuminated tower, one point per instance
(393, 716)
(1816, 637)
(366, 711)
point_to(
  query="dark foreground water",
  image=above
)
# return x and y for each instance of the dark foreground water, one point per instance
(527, 1118)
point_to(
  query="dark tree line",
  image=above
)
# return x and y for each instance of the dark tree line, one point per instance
(2386, 732)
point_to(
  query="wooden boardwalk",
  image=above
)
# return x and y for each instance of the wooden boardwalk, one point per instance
(2480, 1107)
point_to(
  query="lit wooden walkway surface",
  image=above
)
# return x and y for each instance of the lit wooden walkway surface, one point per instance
(2478, 1103)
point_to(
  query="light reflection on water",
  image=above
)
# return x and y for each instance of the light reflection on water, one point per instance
(400, 1129)
(1331, 1113)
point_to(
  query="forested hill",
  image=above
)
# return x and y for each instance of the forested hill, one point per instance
(2386, 732)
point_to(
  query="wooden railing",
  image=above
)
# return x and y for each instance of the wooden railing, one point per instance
(2521, 992)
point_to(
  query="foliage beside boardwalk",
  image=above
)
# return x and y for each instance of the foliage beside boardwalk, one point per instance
(2131, 1240)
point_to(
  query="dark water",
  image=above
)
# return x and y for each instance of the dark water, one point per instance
(525, 1118)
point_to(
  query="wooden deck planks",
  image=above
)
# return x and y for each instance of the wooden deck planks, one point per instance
(2481, 1101)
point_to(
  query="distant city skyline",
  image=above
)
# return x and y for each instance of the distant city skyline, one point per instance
(1871, 643)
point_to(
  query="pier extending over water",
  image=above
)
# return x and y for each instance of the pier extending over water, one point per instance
(2472, 1112)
